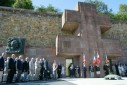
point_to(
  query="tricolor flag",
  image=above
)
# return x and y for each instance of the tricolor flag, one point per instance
(84, 58)
(98, 58)
(94, 60)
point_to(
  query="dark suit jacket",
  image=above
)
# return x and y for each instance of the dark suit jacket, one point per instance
(19, 64)
(1, 63)
(25, 66)
(46, 63)
(12, 64)
(59, 68)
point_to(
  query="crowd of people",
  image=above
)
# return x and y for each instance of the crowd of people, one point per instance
(17, 69)
(74, 71)
(118, 69)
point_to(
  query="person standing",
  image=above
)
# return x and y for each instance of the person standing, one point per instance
(84, 70)
(77, 71)
(41, 70)
(106, 69)
(54, 69)
(71, 70)
(63, 71)
(117, 70)
(97, 69)
(114, 69)
(37, 69)
(25, 69)
(59, 70)
(1, 66)
(45, 65)
(91, 70)
(19, 66)
(11, 68)
(32, 68)
(6, 66)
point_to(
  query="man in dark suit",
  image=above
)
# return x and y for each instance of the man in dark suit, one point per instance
(59, 68)
(106, 69)
(45, 66)
(84, 70)
(1, 66)
(19, 66)
(25, 69)
(11, 68)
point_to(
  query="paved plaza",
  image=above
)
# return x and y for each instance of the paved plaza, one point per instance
(75, 81)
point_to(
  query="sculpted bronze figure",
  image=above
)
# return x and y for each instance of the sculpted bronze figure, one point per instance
(15, 45)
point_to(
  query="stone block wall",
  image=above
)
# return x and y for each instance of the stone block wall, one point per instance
(118, 31)
(38, 29)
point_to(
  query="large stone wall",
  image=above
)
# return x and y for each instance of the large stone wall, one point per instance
(118, 31)
(38, 29)
(41, 29)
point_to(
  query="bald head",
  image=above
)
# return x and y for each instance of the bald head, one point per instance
(13, 56)
(20, 57)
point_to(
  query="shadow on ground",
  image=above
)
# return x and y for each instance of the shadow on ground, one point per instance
(49, 82)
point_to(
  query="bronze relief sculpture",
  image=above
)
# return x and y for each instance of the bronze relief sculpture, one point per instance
(15, 45)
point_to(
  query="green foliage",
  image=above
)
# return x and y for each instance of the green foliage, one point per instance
(119, 17)
(103, 9)
(26, 4)
(123, 9)
(8, 3)
(41, 9)
(47, 9)
(50, 8)
(100, 6)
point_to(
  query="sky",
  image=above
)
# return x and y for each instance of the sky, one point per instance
(70, 4)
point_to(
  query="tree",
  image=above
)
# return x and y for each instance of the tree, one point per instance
(26, 4)
(41, 9)
(8, 3)
(47, 9)
(50, 8)
(100, 6)
(123, 9)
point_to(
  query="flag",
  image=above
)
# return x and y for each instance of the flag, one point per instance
(98, 58)
(94, 60)
(106, 58)
(84, 59)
